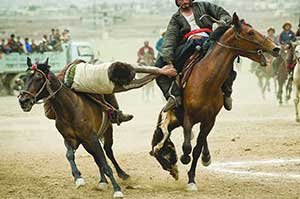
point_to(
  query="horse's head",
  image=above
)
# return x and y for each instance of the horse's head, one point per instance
(248, 42)
(35, 84)
(166, 156)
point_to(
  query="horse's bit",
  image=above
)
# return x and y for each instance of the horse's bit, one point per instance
(46, 84)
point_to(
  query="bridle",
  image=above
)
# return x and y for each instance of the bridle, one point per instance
(238, 37)
(46, 85)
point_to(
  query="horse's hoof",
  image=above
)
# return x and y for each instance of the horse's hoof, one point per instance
(123, 176)
(79, 182)
(118, 194)
(185, 159)
(191, 187)
(206, 160)
(102, 186)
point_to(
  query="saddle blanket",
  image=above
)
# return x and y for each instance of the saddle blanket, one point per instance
(89, 78)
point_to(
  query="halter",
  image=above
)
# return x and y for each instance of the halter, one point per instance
(239, 37)
(45, 84)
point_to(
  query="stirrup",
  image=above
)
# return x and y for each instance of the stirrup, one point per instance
(171, 103)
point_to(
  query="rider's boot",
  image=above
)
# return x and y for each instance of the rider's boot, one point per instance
(116, 116)
(170, 91)
(227, 90)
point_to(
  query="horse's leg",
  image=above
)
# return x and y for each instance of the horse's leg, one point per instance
(108, 142)
(279, 94)
(93, 147)
(205, 128)
(205, 156)
(296, 102)
(70, 155)
(288, 89)
(187, 146)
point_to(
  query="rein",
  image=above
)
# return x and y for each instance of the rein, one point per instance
(239, 37)
(47, 85)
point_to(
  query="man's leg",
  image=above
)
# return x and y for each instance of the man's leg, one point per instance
(168, 87)
(227, 89)
(118, 117)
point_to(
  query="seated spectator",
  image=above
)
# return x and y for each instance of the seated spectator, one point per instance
(52, 40)
(34, 47)
(57, 35)
(12, 44)
(44, 45)
(20, 45)
(28, 46)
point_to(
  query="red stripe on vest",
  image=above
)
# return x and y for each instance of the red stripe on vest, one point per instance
(187, 35)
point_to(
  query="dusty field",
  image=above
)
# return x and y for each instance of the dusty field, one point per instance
(33, 163)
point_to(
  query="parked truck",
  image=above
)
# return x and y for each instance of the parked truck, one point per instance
(13, 65)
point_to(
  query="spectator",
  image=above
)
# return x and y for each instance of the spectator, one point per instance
(271, 35)
(287, 34)
(12, 44)
(160, 42)
(34, 47)
(28, 46)
(65, 38)
(57, 35)
(52, 40)
(44, 45)
(20, 45)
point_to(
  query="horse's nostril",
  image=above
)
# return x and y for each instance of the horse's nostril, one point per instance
(276, 50)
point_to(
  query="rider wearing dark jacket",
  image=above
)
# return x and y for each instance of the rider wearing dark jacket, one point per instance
(179, 40)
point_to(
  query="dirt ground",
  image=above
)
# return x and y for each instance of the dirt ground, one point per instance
(33, 163)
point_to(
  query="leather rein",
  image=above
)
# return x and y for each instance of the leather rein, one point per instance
(46, 85)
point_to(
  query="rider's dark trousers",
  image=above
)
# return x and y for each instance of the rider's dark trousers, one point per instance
(182, 54)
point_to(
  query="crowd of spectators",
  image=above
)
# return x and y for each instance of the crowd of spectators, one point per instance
(53, 42)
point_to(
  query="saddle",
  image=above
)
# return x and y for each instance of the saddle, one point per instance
(189, 64)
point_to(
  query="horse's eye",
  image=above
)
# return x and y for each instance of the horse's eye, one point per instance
(39, 76)
(251, 33)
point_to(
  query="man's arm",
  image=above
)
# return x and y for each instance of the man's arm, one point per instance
(217, 12)
(170, 41)
(166, 70)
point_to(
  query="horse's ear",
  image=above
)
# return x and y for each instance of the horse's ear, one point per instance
(236, 21)
(29, 64)
(46, 62)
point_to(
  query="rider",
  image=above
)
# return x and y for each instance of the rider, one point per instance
(185, 31)
(146, 54)
(287, 34)
(106, 78)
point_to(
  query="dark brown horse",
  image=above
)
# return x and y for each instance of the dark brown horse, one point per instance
(77, 117)
(203, 97)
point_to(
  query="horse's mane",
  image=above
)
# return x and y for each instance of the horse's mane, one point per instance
(218, 33)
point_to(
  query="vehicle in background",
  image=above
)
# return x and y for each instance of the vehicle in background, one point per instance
(13, 65)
